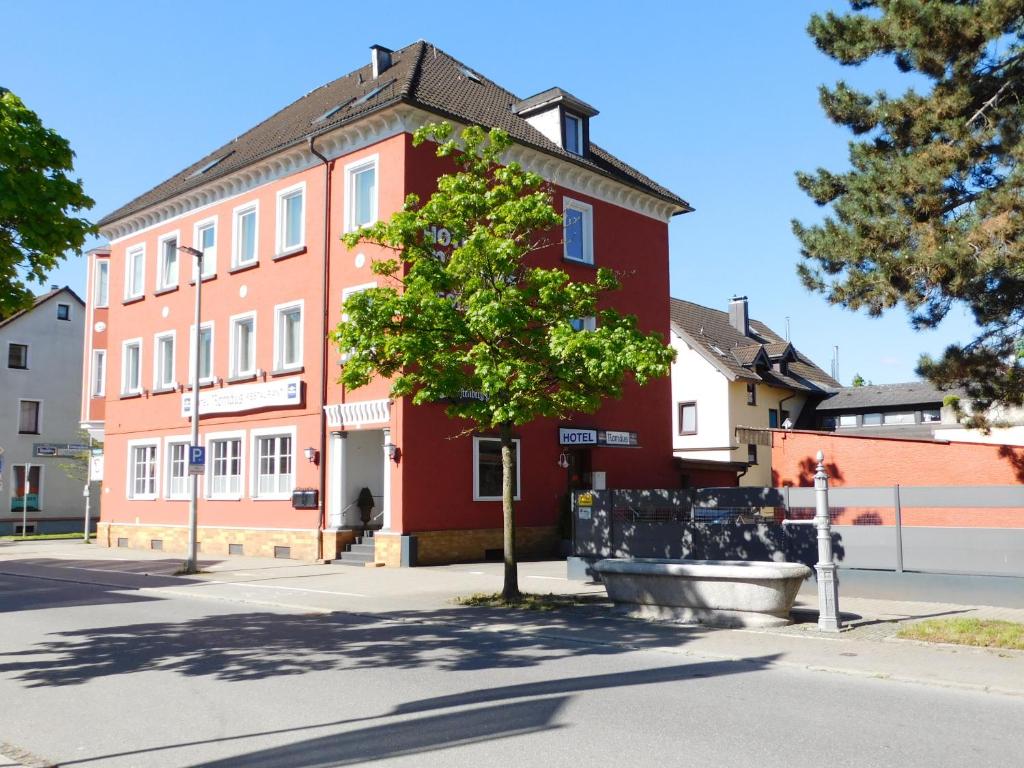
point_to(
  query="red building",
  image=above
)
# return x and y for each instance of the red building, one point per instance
(268, 210)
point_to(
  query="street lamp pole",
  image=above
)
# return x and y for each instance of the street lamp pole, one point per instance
(191, 561)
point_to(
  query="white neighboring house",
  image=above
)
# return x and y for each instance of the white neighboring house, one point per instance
(733, 378)
(40, 389)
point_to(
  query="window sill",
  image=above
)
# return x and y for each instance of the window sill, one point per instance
(579, 263)
(132, 300)
(285, 497)
(162, 390)
(491, 498)
(17, 367)
(297, 251)
(240, 379)
(168, 289)
(206, 279)
(143, 498)
(287, 371)
(129, 395)
(691, 434)
(223, 498)
(243, 267)
(29, 433)
(176, 498)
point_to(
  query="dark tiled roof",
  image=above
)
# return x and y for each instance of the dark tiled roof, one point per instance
(553, 94)
(911, 393)
(421, 74)
(40, 299)
(732, 352)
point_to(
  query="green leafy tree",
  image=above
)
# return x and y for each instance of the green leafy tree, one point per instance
(858, 381)
(38, 203)
(478, 319)
(931, 213)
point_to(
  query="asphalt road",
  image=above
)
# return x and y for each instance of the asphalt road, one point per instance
(93, 675)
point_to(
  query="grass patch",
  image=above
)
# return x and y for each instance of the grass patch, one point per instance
(987, 633)
(44, 536)
(527, 602)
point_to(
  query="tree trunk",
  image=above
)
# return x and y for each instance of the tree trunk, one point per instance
(510, 590)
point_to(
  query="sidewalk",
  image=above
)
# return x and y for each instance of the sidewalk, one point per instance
(867, 647)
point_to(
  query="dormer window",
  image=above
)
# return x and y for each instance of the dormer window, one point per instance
(573, 134)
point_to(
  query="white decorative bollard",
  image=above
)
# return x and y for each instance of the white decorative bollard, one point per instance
(828, 587)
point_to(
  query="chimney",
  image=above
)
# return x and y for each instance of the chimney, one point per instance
(738, 317)
(54, 287)
(380, 57)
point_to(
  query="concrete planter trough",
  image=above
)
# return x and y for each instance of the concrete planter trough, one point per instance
(722, 593)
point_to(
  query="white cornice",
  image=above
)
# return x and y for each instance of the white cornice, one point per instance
(371, 129)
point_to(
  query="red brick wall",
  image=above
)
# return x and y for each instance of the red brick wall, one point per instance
(865, 462)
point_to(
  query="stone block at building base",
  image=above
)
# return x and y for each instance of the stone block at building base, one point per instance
(213, 541)
(461, 545)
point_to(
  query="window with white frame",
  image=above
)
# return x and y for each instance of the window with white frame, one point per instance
(135, 272)
(243, 345)
(101, 290)
(163, 361)
(204, 238)
(688, 418)
(361, 193)
(142, 462)
(177, 470)
(273, 462)
(487, 469)
(588, 323)
(244, 235)
(167, 262)
(131, 367)
(288, 336)
(291, 219)
(573, 134)
(224, 457)
(205, 353)
(99, 372)
(578, 231)
(29, 412)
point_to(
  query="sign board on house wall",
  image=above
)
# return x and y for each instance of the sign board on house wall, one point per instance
(59, 450)
(246, 397)
(96, 468)
(605, 437)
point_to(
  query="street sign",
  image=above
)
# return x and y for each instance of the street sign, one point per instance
(196, 459)
(96, 468)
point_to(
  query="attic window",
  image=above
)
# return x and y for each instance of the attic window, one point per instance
(573, 134)
(367, 96)
(470, 74)
(333, 111)
(210, 165)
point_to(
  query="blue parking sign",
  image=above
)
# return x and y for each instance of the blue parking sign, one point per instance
(196, 459)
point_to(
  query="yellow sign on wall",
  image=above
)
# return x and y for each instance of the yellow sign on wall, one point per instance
(585, 500)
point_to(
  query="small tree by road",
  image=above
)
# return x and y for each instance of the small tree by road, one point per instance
(479, 319)
(39, 204)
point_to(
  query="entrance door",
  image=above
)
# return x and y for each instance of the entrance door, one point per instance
(579, 469)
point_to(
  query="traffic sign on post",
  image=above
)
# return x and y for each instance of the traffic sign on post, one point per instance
(196, 459)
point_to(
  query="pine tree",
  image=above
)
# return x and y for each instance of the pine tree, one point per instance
(931, 213)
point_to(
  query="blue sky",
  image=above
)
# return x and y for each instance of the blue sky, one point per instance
(717, 101)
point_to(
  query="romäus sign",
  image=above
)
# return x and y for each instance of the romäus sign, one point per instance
(246, 397)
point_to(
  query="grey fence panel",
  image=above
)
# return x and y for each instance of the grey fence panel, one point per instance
(592, 525)
(992, 551)
(962, 496)
(866, 546)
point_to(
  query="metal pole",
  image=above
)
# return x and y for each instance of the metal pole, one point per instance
(24, 502)
(899, 529)
(85, 491)
(191, 562)
(828, 587)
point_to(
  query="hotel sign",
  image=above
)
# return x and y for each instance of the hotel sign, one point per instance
(605, 437)
(245, 397)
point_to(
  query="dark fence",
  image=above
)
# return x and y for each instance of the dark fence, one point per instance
(977, 530)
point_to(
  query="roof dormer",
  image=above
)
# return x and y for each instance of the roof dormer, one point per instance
(561, 117)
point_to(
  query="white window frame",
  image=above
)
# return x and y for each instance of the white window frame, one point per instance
(279, 311)
(254, 470)
(20, 492)
(161, 255)
(588, 323)
(192, 353)
(39, 415)
(130, 474)
(98, 385)
(129, 261)
(234, 321)
(282, 195)
(209, 257)
(476, 468)
(101, 299)
(125, 389)
(587, 211)
(353, 168)
(158, 383)
(208, 440)
(236, 240)
(169, 443)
